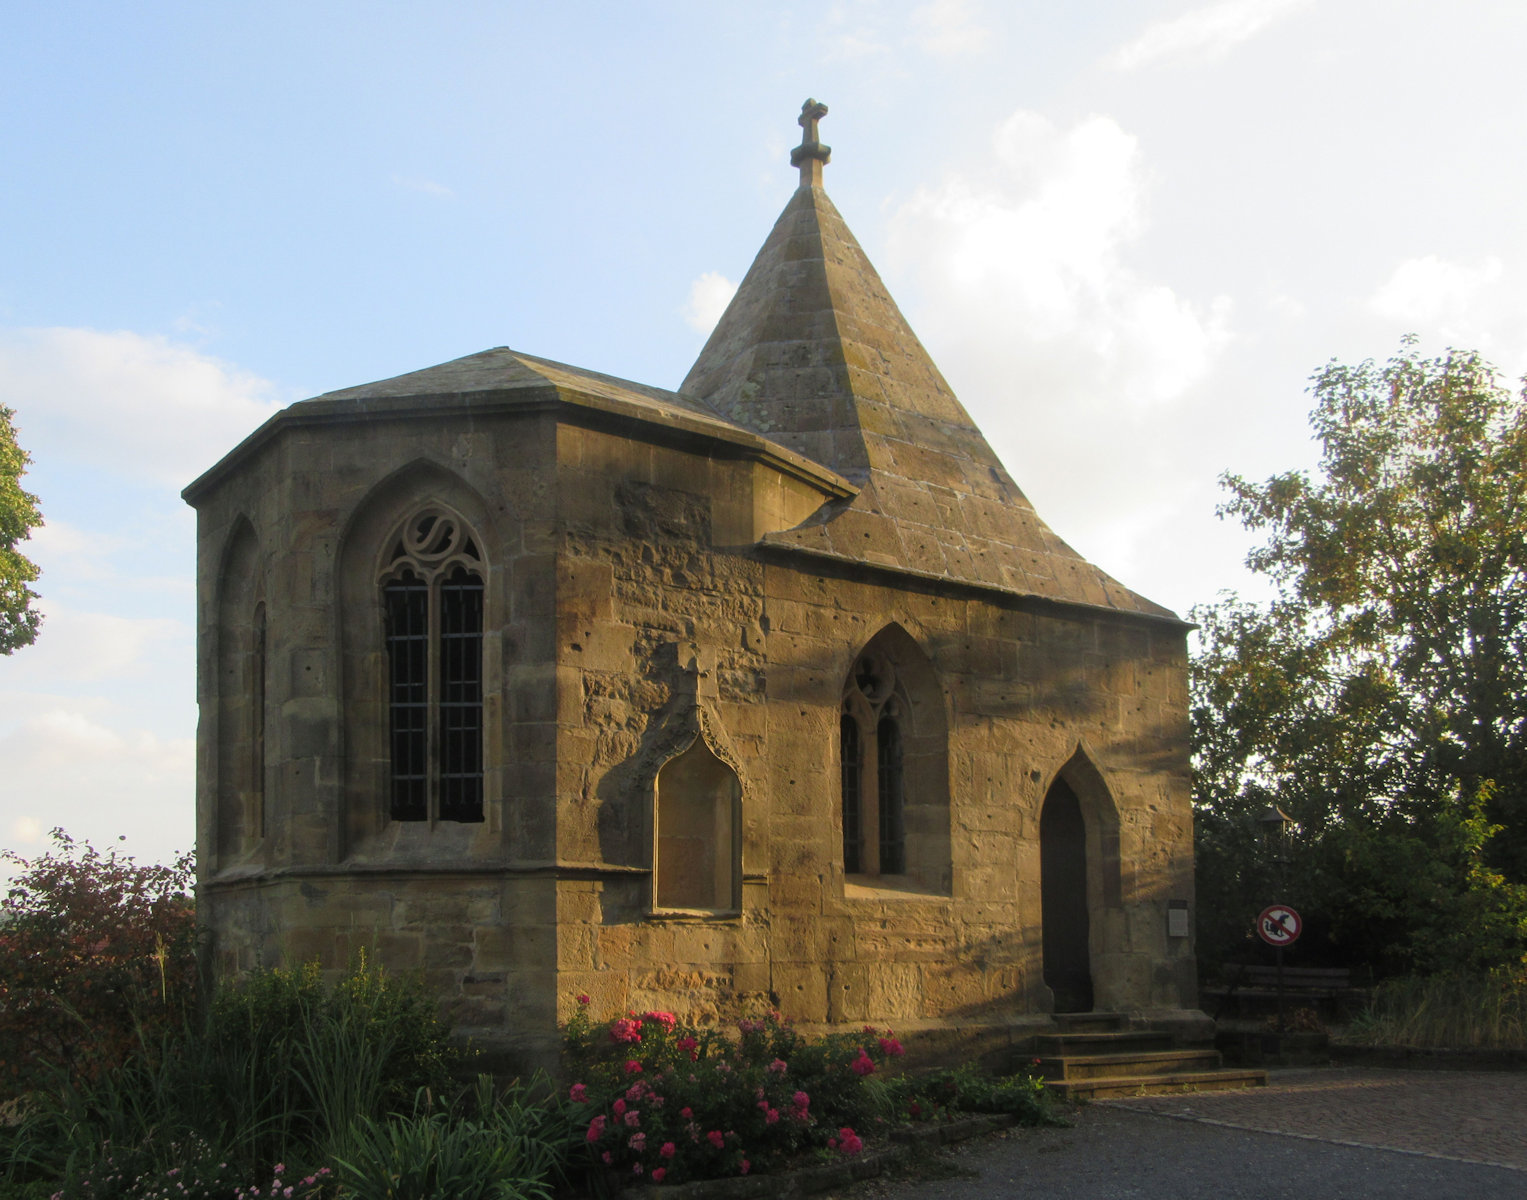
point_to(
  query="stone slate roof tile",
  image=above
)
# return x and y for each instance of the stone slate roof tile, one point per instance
(934, 501)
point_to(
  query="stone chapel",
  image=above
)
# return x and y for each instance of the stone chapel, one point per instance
(771, 691)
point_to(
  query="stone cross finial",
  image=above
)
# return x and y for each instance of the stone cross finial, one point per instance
(810, 156)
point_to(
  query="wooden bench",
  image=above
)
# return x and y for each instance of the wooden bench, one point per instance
(1257, 983)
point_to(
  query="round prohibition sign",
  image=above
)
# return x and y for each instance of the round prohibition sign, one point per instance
(1279, 925)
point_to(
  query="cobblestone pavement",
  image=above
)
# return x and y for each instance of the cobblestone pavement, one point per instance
(1330, 1132)
(1470, 1116)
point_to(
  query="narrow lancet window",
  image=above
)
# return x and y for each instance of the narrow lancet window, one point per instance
(893, 857)
(848, 750)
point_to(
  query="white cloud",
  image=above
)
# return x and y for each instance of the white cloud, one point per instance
(1022, 266)
(137, 406)
(64, 768)
(1434, 293)
(708, 297)
(1204, 33)
(87, 647)
(948, 28)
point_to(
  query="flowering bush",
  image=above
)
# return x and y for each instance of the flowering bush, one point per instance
(97, 959)
(669, 1102)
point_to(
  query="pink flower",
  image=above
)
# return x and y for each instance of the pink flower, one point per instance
(686, 1112)
(666, 1019)
(715, 1138)
(658, 1174)
(686, 1043)
(771, 1115)
(778, 1067)
(891, 1048)
(636, 1091)
(746, 1166)
(638, 1142)
(578, 1094)
(608, 1158)
(624, 1029)
(636, 1168)
(801, 1101)
(668, 1150)
(620, 1107)
(633, 1119)
(596, 1129)
(849, 1142)
(633, 1067)
(862, 1065)
(583, 998)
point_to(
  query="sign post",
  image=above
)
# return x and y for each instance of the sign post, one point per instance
(1278, 925)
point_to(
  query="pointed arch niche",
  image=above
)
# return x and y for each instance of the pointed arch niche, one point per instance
(697, 833)
(419, 614)
(894, 768)
(1080, 883)
(239, 816)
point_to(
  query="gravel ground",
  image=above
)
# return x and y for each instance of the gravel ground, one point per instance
(1313, 1134)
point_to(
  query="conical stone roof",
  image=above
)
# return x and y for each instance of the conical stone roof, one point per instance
(813, 353)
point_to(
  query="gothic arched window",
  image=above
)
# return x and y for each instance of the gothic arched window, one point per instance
(432, 599)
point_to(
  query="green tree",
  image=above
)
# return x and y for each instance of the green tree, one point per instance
(1380, 699)
(19, 515)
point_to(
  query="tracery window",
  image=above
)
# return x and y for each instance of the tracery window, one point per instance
(871, 747)
(432, 599)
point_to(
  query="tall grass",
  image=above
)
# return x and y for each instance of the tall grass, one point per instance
(1457, 1012)
(280, 1069)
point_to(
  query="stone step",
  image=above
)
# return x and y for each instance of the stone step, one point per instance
(1113, 1041)
(1091, 1022)
(1132, 1064)
(1116, 1087)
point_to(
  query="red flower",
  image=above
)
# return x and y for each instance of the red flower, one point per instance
(668, 1150)
(596, 1129)
(658, 1174)
(849, 1142)
(624, 1029)
(619, 1106)
(583, 998)
(686, 1043)
(862, 1065)
(890, 1047)
(633, 1067)
(746, 1166)
(686, 1112)
(715, 1138)
(666, 1019)
(578, 1094)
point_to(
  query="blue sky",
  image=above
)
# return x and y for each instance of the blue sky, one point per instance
(1128, 232)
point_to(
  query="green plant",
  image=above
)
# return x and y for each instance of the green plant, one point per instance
(96, 960)
(498, 1153)
(281, 1069)
(964, 1089)
(1460, 1011)
(667, 1102)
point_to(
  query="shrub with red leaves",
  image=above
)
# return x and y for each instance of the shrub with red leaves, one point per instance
(97, 958)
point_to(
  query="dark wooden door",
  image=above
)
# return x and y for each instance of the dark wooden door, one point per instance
(1063, 898)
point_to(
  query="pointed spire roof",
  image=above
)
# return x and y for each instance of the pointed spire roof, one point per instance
(813, 353)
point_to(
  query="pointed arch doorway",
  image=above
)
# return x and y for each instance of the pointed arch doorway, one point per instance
(1063, 899)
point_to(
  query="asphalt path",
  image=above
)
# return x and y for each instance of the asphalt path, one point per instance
(1312, 1135)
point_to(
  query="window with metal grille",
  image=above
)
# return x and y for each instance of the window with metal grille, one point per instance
(432, 598)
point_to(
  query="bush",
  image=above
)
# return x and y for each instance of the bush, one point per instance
(1454, 1012)
(281, 1070)
(505, 1150)
(669, 1102)
(97, 958)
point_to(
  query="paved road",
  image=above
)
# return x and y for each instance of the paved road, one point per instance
(1312, 1134)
